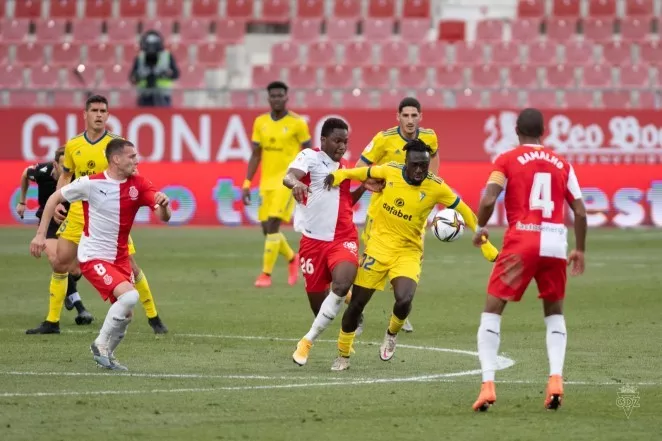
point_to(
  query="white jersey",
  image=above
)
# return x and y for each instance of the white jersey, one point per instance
(326, 215)
(109, 208)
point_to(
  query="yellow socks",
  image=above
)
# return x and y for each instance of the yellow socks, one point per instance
(58, 290)
(345, 342)
(285, 248)
(272, 244)
(145, 295)
(395, 324)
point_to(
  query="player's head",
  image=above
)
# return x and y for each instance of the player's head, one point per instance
(277, 91)
(334, 138)
(122, 157)
(530, 126)
(409, 116)
(417, 160)
(96, 113)
(58, 162)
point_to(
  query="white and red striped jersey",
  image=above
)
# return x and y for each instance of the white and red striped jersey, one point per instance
(109, 208)
(537, 184)
(326, 215)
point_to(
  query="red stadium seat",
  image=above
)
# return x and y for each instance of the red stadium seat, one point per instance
(485, 76)
(11, 77)
(433, 53)
(541, 99)
(162, 25)
(30, 54)
(191, 77)
(416, 8)
(66, 54)
(310, 8)
(645, 100)
(4, 54)
(205, 8)
(525, 30)
(239, 9)
(578, 99)
(598, 29)
(169, 8)
(211, 55)
(602, 8)
(531, 8)
(521, 75)
(378, 29)
(414, 30)
(560, 76)
(128, 98)
(44, 77)
(617, 52)
(347, 8)
(341, 29)
(275, 11)
(102, 54)
(489, 30)
(116, 77)
(358, 53)
(98, 8)
(566, 8)
(285, 54)
(468, 99)
(469, 54)
(634, 75)
(381, 8)
(650, 52)
(133, 8)
(505, 53)
(375, 76)
(616, 99)
(302, 77)
(15, 30)
(305, 29)
(321, 53)
(642, 8)
(338, 76)
(579, 52)
(415, 77)
(561, 29)
(449, 76)
(635, 28)
(240, 99)
(597, 75)
(24, 98)
(356, 99)
(3, 9)
(503, 99)
(542, 53)
(27, 8)
(49, 30)
(66, 98)
(389, 99)
(194, 30)
(394, 53)
(264, 74)
(122, 30)
(63, 9)
(431, 99)
(317, 99)
(87, 29)
(129, 53)
(181, 52)
(451, 30)
(230, 31)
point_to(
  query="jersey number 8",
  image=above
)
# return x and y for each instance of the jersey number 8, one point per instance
(541, 194)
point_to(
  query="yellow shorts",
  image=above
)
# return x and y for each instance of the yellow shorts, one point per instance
(373, 272)
(71, 229)
(277, 203)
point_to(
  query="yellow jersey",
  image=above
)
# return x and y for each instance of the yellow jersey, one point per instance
(280, 141)
(403, 209)
(83, 158)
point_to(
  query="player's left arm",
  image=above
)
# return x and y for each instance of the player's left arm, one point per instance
(434, 160)
(156, 200)
(303, 134)
(357, 174)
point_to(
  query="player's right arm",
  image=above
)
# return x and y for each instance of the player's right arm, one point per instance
(372, 153)
(574, 198)
(253, 163)
(295, 173)
(357, 174)
(495, 185)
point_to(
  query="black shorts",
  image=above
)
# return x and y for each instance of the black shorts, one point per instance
(51, 233)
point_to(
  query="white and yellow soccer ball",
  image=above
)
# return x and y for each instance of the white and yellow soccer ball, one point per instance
(448, 225)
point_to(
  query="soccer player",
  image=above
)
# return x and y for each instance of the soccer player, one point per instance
(388, 146)
(112, 201)
(45, 175)
(84, 156)
(329, 242)
(277, 138)
(395, 245)
(538, 182)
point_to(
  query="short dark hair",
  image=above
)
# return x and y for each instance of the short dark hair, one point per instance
(58, 154)
(277, 85)
(409, 102)
(531, 123)
(95, 99)
(416, 145)
(331, 124)
(115, 146)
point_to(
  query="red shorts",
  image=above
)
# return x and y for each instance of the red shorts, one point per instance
(513, 272)
(105, 276)
(318, 258)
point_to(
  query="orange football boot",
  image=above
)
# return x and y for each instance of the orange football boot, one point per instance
(554, 394)
(263, 281)
(293, 269)
(486, 398)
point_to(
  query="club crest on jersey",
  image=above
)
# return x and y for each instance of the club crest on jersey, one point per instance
(399, 202)
(91, 164)
(133, 193)
(421, 196)
(107, 279)
(351, 246)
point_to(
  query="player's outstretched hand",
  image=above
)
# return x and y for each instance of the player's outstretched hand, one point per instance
(328, 181)
(161, 199)
(481, 236)
(300, 192)
(38, 245)
(246, 196)
(375, 185)
(576, 263)
(60, 214)
(20, 209)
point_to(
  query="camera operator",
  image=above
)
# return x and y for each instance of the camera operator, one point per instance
(154, 70)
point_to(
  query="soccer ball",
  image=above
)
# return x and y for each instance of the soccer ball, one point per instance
(448, 225)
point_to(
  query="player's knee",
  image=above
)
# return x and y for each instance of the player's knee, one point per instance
(273, 225)
(404, 301)
(341, 287)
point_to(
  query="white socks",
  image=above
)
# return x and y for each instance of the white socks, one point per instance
(119, 314)
(328, 311)
(556, 342)
(488, 343)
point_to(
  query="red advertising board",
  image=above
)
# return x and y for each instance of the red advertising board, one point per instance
(221, 136)
(209, 194)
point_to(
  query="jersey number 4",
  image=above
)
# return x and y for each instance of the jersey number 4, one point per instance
(541, 194)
